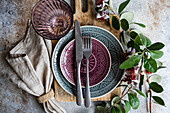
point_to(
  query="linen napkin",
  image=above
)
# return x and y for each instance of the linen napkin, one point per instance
(30, 59)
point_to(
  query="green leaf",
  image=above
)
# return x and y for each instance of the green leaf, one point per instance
(160, 67)
(159, 63)
(141, 82)
(120, 108)
(138, 91)
(133, 92)
(130, 62)
(128, 16)
(115, 99)
(156, 54)
(158, 100)
(140, 24)
(130, 44)
(122, 6)
(137, 40)
(144, 40)
(115, 23)
(156, 46)
(150, 65)
(137, 43)
(124, 24)
(133, 100)
(115, 110)
(156, 87)
(127, 106)
(134, 33)
(102, 107)
(155, 78)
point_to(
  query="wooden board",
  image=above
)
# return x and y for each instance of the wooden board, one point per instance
(86, 18)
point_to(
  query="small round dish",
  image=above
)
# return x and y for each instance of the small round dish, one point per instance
(52, 19)
(99, 63)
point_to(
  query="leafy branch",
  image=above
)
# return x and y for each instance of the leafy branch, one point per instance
(141, 56)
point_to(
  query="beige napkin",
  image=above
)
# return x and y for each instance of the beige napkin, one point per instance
(30, 60)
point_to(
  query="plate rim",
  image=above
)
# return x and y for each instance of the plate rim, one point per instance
(86, 26)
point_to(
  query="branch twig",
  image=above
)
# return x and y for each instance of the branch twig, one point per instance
(112, 11)
(124, 90)
(150, 94)
(118, 100)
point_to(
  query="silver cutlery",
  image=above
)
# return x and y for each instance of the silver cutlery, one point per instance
(79, 57)
(87, 51)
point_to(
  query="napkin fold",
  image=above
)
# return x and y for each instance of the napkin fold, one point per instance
(30, 60)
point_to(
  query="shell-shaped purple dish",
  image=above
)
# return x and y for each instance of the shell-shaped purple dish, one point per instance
(52, 19)
(99, 63)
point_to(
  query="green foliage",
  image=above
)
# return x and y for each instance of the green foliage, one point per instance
(138, 91)
(141, 82)
(122, 6)
(115, 110)
(115, 23)
(158, 100)
(150, 65)
(144, 40)
(156, 87)
(146, 54)
(140, 24)
(127, 106)
(156, 54)
(115, 99)
(134, 33)
(130, 62)
(124, 24)
(128, 16)
(102, 107)
(156, 46)
(130, 44)
(120, 108)
(133, 100)
(155, 78)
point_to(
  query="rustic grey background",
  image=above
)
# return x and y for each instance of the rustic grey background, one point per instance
(155, 14)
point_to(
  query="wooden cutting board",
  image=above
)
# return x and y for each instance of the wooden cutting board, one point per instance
(86, 18)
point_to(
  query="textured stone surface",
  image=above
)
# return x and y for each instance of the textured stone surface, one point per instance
(13, 19)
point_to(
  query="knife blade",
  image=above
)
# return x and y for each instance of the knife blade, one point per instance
(79, 57)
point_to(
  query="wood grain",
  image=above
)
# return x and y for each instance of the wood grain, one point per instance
(86, 18)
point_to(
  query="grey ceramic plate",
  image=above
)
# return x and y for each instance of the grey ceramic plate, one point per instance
(115, 49)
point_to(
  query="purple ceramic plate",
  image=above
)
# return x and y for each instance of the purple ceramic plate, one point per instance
(99, 63)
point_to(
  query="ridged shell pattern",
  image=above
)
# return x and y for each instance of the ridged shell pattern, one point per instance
(52, 19)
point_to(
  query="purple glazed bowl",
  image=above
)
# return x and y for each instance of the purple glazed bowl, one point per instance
(52, 19)
(99, 63)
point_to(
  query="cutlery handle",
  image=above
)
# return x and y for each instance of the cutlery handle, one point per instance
(87, 94)
(79, 98)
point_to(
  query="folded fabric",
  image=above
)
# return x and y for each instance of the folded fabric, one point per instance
(30, 59)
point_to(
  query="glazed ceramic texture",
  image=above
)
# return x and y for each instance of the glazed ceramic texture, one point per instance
(52, 19)
(115, 74)
(99, 63)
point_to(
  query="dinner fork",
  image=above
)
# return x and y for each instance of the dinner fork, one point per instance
(87, 51)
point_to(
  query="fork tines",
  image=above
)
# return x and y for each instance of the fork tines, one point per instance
(87, 42)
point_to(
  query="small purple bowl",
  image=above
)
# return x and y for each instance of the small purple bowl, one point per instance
(52, 19)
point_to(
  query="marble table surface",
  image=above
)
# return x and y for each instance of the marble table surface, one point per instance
(155, 14)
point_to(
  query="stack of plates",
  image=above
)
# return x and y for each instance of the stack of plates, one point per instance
(104, 67)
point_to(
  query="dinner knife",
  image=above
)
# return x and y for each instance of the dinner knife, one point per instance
(79, 57)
